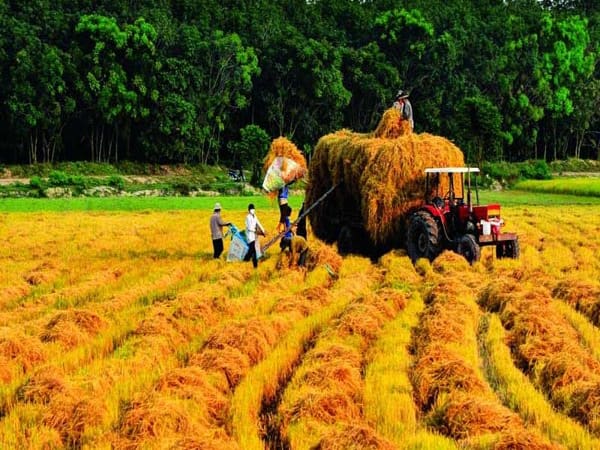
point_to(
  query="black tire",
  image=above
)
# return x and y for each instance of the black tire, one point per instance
(422, 237)
(508, 249)
(345, 240)
(468, 247)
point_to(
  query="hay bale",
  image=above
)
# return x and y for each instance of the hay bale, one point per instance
(283, 165)
(382, 179)
(285, 148)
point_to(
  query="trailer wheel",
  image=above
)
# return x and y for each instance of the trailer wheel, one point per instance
(345, 240)
(508, 249)
(422, 237)
(469, 248)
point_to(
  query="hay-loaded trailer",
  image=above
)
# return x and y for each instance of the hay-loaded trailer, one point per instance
(381, 182)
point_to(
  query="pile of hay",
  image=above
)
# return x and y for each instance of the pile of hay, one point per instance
(382, 176)
(287, 172)
(548, 348)
(287, 149)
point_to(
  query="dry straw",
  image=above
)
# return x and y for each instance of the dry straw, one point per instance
(70, 328)
(381, 174)
(287, 149)
(354, 436)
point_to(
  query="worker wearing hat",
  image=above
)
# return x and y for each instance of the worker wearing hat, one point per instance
(403, 105)
(216, 230)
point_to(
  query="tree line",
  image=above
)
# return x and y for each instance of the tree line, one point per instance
(213, 81)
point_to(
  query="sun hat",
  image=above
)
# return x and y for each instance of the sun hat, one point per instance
(217, 207)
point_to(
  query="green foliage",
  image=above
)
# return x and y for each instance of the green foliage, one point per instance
(575, 165)
(175, 82)
(251, 149)
(508, 174)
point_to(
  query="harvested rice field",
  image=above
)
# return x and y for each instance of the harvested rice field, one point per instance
(118, 330)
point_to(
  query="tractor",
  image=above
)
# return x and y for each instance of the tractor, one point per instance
(448, 220)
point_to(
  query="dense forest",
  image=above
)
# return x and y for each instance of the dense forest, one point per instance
(213, 81)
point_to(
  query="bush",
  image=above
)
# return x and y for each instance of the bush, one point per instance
(507, 174)
(117, 182)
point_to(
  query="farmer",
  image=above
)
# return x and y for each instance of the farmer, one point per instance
(285, 227)
(253, 227)
(403, 105)
(298, 249)
(216, 230)
(282, 198)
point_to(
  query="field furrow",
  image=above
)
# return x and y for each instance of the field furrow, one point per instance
(518, 393)
(547, 348)
(450, 390)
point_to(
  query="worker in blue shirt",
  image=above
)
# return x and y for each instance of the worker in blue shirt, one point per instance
(285, 226)
(282, 197)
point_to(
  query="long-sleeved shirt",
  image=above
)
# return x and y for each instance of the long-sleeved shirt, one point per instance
(216, 226)
(252, 224)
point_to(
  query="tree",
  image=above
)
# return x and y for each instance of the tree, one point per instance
(251, 149)
(117, 85)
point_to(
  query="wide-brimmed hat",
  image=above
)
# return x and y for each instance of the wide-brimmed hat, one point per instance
(217, 207)
(401, 94)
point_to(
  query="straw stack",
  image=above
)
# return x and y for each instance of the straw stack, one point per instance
(382, 176)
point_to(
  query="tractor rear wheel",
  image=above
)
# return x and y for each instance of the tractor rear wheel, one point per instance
(469, 248)
(422, 237)
(508, 249)
(345, 240)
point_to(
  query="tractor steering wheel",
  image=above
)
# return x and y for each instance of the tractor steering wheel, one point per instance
(438, 202)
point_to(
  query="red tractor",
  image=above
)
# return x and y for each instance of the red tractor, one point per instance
(448, 220)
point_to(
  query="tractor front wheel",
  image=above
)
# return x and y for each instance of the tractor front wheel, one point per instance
(422, 237)
(508, 249)
(468, 247)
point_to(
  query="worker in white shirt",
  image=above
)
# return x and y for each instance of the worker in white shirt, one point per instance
(253, 228)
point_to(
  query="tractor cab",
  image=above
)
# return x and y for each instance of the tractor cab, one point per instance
(449, 219)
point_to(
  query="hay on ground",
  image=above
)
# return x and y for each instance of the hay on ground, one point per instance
(439, 371)
(194, 383)
(354, 437)
(468, 415)
(70, 412)
(70, 328)
(228, 360)
(329, 407)
(42, 387)
(24, 350)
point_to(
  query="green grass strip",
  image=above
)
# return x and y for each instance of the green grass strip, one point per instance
(588, 333)
(584, 186)
(388, 397)
(516, 391)
(229, 203)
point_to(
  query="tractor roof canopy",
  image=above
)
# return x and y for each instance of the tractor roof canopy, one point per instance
(452, 170)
